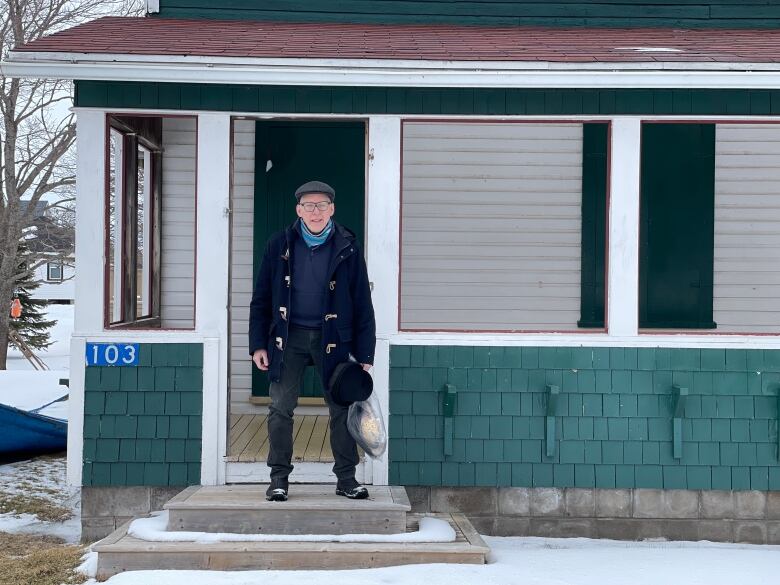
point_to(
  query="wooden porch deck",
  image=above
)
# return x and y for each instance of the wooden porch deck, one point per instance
(249, 438)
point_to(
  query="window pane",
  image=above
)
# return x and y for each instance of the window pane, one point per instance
(116, 181)
(143, 199)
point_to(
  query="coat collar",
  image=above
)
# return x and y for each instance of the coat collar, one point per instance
(342, 236)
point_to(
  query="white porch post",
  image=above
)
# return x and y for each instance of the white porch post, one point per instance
(90, 262)
(623, 277)
(383, 252)
(211, 286)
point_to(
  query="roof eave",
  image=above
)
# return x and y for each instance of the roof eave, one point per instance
(392, 73)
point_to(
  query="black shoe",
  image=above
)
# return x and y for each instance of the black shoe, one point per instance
(277, 491)
(350, 488)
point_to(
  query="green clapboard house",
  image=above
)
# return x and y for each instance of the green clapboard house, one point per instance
(570, 212)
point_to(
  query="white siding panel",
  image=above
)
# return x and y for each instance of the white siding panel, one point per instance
(491, 226)
(178, 223)
(746, 294)
(241, 263)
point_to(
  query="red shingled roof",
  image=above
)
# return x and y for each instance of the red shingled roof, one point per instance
(219, 38)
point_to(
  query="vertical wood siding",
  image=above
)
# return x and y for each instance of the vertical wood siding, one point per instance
(178, 223)
(747, 227)
(241, 257)
(491, 226)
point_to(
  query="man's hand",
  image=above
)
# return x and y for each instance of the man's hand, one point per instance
(260, 357)
(367, 367)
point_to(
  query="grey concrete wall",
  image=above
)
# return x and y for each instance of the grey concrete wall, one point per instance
(621, 514)
(104, 509)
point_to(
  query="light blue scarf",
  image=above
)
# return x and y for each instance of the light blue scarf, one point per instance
(313, 240)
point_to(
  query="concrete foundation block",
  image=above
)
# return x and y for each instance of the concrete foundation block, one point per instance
(773, 532)
(580, 502)
(617, 528)
(716, 530)
(773, 505)
(752, 532)
(651, 503)
(512, 526)
(419, 498)
(469, 501)
(94, 529)
(114, 501)
(483, 524)
(516, 501)
(547, 502)
(750, 504)
(613, 503)
(717, 504)
(562, 528)
(159, 496)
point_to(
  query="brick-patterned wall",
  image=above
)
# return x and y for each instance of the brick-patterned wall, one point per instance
(142, 425)
(613, 417)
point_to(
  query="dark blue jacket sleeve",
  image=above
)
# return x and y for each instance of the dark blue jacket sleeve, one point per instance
(363, 324)
(260, 306)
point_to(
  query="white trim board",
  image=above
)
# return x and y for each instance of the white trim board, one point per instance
(378, 73)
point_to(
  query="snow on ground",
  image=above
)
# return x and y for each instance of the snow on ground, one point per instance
(42, 477)
(24, 387)
(529, 561)
(57, 356)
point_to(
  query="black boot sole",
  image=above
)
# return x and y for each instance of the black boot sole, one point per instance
(360, 495)
(276, 497)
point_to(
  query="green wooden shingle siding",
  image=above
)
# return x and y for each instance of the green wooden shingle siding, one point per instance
(614, 417)
(427, 101)
(142, 425)
(613, 13)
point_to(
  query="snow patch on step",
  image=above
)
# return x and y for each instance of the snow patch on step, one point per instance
(154, 529)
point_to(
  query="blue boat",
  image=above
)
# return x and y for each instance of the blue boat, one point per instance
(29, 433)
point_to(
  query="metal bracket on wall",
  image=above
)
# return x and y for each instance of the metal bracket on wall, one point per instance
(448, 402)
(549, 432)
(679, 397)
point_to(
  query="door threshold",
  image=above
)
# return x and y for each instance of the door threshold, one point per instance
(304, 472)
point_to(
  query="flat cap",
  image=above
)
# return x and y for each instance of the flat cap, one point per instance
(315, 187)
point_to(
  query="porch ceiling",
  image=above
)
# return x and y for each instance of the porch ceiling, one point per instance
(176, 38)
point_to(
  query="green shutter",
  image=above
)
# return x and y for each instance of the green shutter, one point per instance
(677, 220)
(595, 138)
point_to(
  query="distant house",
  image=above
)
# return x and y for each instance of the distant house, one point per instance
(570, 213)
(56, 277)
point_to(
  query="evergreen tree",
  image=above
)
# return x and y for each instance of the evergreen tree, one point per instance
(32, 326)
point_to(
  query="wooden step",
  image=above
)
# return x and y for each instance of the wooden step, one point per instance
(119, 552)
(310, 509)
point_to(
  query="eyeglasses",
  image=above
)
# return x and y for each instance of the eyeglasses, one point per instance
(321, 205)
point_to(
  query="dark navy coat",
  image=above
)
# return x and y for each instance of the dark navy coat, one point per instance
(348, 325)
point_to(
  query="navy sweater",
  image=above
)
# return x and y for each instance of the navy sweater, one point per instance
(309, 283)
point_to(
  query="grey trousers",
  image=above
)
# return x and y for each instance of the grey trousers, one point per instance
(304, 347)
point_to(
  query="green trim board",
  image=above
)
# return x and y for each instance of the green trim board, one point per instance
(595, 149)
(677, 226)
(614, 417)
(142, 425)
(571, 13)
(425, 101)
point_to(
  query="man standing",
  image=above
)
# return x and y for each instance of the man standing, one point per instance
(311, 305)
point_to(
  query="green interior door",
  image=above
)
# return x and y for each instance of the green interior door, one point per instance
(677, 221)
(287, 154)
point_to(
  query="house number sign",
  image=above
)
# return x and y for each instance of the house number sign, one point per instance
(112, 354)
